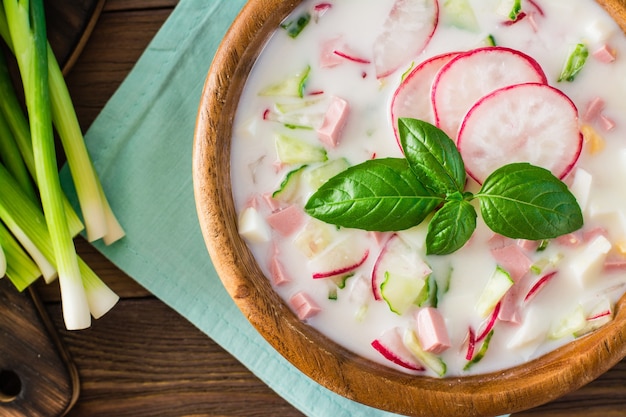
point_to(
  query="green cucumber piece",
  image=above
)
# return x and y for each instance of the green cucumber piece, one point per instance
(296, 151)
(429, 360)
(289, 188)
(459, 13)
(497, 285)
(292, 86)
(317, 176)
(401, 291)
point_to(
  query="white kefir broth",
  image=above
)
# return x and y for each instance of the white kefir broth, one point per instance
(355, 319)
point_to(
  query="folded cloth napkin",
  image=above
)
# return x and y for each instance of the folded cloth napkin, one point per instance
(141, 144)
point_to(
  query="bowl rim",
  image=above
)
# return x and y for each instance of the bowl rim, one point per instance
(332, 366)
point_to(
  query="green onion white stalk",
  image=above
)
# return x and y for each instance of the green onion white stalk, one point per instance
(17, 211)
(27, 27)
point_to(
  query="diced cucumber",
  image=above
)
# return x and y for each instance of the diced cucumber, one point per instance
(490, 40)
(288, 107)
(428, 359)
(307, 121)
(295, 25)
(317, 176)
(292, 86)
(459, 13)
(402, 291)
(296, 151)
(289, 189)
(429, 295)
(497, 285)
(574, 63)
(570, 324)
(510, 9)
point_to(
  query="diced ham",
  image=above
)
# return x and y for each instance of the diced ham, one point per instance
(513, 260)
(498, 241)
(334, 120)
(286, 221)
(277, 270)
(605, 54)
(431, 330)
(510, 306)
(328, 57)
(614, 263)
(271, 202)
(570, 239)
(589, 235)
(303, 305)
(607, 123)
(593, 109)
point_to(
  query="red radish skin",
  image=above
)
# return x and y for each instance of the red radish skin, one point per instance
(412, 97)
(399, 252)
(531, 122)
(472, 75)
(391, 347)
(541, 282)
(471, 344)
(406, 32)
(490, 323)
(341, 271)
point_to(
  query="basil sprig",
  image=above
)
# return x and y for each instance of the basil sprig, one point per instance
(518, 200)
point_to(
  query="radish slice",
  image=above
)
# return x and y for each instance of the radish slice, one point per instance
(390, 345)
(412, 97)
(532, 123)
(406, 32)
(399, 259)
(471, 75)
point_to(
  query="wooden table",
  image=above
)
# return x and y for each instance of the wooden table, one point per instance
(142, 358)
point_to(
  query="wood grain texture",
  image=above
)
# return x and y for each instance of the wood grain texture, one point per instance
(143, 359)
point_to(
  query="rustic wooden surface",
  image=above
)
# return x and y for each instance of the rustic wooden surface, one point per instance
(142, 359)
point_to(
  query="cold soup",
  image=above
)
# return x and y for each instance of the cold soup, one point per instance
(437, 185)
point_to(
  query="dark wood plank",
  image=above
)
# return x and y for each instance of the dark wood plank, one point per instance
(36, 376)
(143, 359)
(69, 25)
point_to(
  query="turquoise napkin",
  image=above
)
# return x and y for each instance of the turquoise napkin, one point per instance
(141, 145)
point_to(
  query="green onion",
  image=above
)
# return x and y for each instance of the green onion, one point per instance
(18, 124)
(3, 259)
(19, 267)
(27, 27)
(99, 219)
(18, 212)
(12, 159)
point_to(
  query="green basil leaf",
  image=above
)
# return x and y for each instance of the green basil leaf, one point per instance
(524, 201)
(451, 227)
(432, 155)
(379, 195)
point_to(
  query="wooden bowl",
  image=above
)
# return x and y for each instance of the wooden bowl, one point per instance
(515, 389)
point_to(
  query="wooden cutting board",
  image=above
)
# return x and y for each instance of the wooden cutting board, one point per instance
(37, 375)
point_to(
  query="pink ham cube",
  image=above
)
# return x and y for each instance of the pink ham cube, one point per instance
(431, 330)
(303, 305)
(334, 120)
